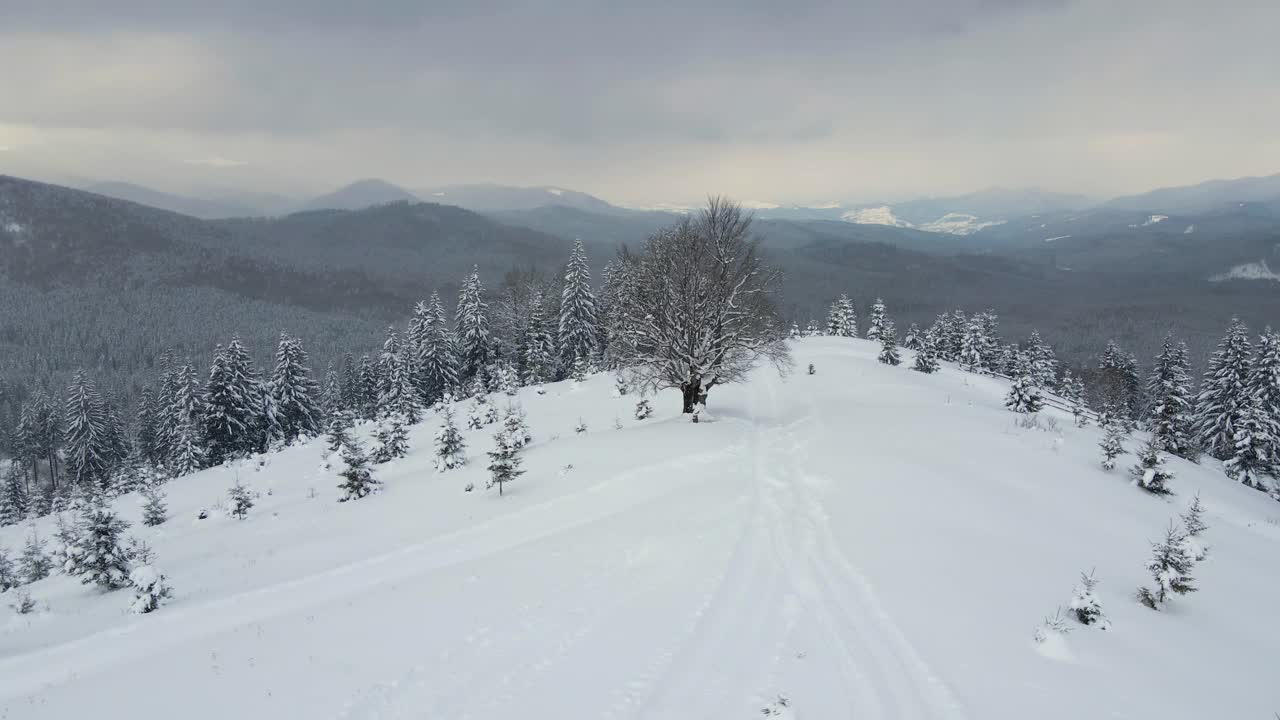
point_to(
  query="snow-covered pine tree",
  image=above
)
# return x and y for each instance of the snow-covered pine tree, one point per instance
(34, 563)
(473, 327)
(504, 459)
(1024, 396)
(842, 318)
(233, 422)
(150, 589)
(239, 501)
(1193, 526)
(475, 416)
(451, 449)
(1253, 437)
(577, 328)
(349, 383)
(417, 338)
(913, 339)
(440, 358)
(1120, 383)
(88, 447)
(366, 389)
(795, 332)
(146, 433)
(340, 424)
(1085, 605)
(294, 392)
(1112, 443)
(516, 426)
(811, 329)
(182, 421)
(1073, 392)
(15, 502)
(926, 360)
(330, 396)
(540, 351)
(98, 557)
(398, 396)
(875, 322)
(154, 510)
(1264, 390)
(357, 480)
(992, 352)
(1169, 391)
(1043, 362)
(393, 441)
(1150, 474)
(889, 346)
(643, 408)
(1170, 566)
(972, 343)
(9, 577)
(1224, 395)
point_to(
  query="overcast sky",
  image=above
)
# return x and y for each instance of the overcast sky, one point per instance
(643, 102)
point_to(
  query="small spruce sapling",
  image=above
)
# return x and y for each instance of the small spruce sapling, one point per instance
(516, 427)
(1085, 605)
(98, 556)
(357, 480)
(889, 346)
(393, 440)
(1112, 443)
(811, 370)
(475, 418)
(150, 589)
(9, 577)
(1193, 526)
(620, 388)
(451, 449)
(1150, 473)
(581, 427)
(339, 430)
(34, 563)
(239, 501)
(1170, 566)
(504, 459)
(643, 409)
(22, 603)
(1052, 627)
(1024, 396)
(154, 510)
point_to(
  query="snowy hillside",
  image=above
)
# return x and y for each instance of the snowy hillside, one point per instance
(864, 542)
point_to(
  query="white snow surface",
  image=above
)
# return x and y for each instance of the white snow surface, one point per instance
(1153, 219)
(865, 542)
(959, 224)
(1057, 237)
(882, 215)
(1248, 271)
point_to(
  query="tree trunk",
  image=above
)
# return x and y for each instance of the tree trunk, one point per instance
(693, 394)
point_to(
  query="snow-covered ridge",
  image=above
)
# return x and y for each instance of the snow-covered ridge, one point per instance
(1248, 271)
(954, 223)
(1152, 220)
(882, 215)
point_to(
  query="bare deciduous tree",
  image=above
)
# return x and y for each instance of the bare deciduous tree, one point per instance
(700, 311)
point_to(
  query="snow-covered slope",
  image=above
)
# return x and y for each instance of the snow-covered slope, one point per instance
(882, 215)
(1248, 271)
(865, 542)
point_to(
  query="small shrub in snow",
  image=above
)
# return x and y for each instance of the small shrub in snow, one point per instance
(1193, 526)
(393, 440)
(777, 708)
(620, 385)
(469, 487)
(1029, 422)
(149, 588)
(8, 572)
(239, 501)
(139, 552)
(451, 449)
(34, 563)
(22, 603)
(97, 557)
(643, 409)
(1085, 605)
(475, 418)
(154, 511)
(1024, 396)
(1150, 473)
(504, 459)
(490, 414)
(1170, 566)
(1054, 626)
(581, 427)
(1112, 444)
(812, 371)
(357, 480)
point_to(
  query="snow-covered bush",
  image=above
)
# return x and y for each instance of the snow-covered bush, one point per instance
(34, 563)
(239, 501)
(620, 385)
(1052, 627)
(393, 440)
(8, 572)
(22, 603)
(581, 427)
(1024, 396)
(812, 371)
(643, 409)
(1085, 605)
(149, 588)
(1150, 473)
(1170, 566)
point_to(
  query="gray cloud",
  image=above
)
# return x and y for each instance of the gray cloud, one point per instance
(865, 96)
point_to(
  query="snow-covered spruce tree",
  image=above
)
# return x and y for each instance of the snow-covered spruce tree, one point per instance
(393, 441)
(15, 503)
(88, 448)
(643, 408)
(451, 449)
(516, 426)
(577, 329)
(1149, 473)
(1254, 437)
(417, 337)
(1112, 443)
(811, 329)
(912, 340)
(1042, 363)
(9, 577)
(504, 459)
(1169, 392)
(399, 397)
(366, 389)
(239, 501)
(972, 343)
(1193, 526)
(440, 356)
(146, 424)
(473, 327)
(620, 385)
(508, 379)
(1119, 383)
(340, 424)
(98, 557)
(581, 427)
(232, 406)
(702, 311)
(1024, 396)
(889, 346)
(387, 368)
(34, 563)
(154, 510)
(1073, 393)
(357, 480)
(1085, 605)
(992, 351)
(875, 321)
(1170, 567)
(475, 416)
(182, 421)
(540, 350)
(150, 589)
(1264, 391)
(294, 392)
(842, 320)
